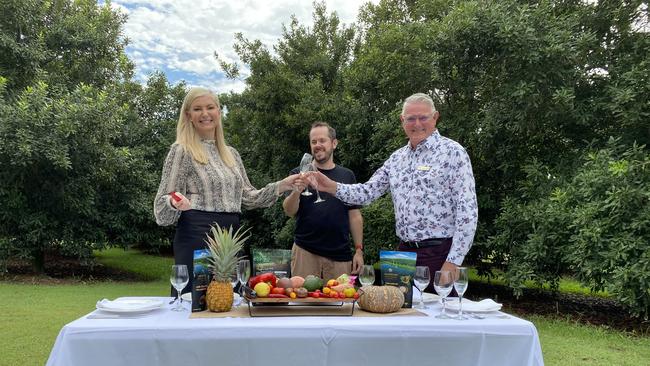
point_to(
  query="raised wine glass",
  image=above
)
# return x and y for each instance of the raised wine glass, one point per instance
(313, 181)
(443, 283)
(421, 279)
(305, 166)
(179, 279)
(460, 285)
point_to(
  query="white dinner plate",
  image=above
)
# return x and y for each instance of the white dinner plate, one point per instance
(483, 306)
(129, 305)
(427, 297)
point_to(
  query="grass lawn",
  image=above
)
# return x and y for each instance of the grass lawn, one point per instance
(32, 316)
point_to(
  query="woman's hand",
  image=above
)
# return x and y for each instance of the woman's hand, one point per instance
(289, 183)
(183, 204)
(300, 184)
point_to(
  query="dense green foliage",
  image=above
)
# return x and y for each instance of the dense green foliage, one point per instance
(595, 225)
(80, 144)
(533, 89)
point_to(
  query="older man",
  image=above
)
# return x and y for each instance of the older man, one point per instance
(432, 187)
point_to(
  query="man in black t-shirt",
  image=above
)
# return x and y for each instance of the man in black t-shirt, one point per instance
(322, 237)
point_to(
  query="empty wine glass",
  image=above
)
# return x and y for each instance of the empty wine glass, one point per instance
(460, 285)
(421, 279)
(443, 283)
(367, 275)
(305, 166)
(243, 273)
(313, 181)
(179, 279)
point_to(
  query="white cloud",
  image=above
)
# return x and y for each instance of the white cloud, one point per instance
(179, 37)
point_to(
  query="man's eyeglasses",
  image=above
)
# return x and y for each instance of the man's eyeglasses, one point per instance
(422, 119)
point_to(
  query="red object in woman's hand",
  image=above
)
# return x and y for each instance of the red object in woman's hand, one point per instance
(176, 197)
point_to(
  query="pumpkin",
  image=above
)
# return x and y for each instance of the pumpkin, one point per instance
(381, 299)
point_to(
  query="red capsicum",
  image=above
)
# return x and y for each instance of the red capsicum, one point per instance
(268, 277)
(176, 197)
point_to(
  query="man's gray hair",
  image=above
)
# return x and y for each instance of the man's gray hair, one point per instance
(418, 98)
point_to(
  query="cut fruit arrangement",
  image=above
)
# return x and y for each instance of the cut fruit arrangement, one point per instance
(267, 285)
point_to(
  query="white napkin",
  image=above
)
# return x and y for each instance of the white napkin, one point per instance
(486, 305)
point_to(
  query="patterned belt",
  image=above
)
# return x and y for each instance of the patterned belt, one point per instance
(424, 243)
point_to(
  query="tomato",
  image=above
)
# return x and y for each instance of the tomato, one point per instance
(277, 290)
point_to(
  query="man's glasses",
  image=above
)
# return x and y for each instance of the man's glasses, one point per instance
(422, 119)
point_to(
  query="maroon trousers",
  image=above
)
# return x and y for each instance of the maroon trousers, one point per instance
(433, 257)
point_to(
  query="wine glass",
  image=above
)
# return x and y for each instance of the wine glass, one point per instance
(313, 181)
(367, 275)
(243, 273)
(305, 166)
(179, 279)
(421, 279)
(443, 283)
(460, 285)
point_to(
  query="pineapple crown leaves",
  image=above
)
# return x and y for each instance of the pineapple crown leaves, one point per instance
(225, 246)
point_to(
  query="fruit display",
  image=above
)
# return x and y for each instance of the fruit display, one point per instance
(267, 286)
(224, 246)
(381, 299)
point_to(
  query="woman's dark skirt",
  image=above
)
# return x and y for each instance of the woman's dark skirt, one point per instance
(191, 231)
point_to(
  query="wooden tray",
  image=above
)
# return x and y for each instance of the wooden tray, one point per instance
(305, 302)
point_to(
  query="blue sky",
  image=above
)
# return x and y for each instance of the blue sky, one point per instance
(179, 37)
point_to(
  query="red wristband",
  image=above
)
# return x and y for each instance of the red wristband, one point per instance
(358, 246)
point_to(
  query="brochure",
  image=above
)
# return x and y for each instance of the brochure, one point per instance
(201, 279)
(398, 269)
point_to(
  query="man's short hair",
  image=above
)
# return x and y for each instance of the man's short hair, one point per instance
(418, 98)
(330, 130)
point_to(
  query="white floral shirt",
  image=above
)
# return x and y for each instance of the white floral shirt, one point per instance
(433, 193)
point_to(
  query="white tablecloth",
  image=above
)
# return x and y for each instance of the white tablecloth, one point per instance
(170, 338)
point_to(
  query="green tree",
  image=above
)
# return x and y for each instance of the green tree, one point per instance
(82, 145)
(61, 42)
(59, 170)
(595, 225)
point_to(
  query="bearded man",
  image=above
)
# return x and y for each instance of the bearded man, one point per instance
(322, 236)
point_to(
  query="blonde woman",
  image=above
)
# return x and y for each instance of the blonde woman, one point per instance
(208, 177)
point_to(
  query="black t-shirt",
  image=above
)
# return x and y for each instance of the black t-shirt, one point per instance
(324, 228)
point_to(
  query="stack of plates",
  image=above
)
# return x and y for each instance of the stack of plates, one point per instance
(129, 305)
(483, 306)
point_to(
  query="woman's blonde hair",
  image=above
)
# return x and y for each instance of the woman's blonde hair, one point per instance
(187, 137)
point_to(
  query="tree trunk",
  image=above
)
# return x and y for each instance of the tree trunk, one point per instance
(38, 260)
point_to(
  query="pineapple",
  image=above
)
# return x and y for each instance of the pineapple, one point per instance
(224, 249)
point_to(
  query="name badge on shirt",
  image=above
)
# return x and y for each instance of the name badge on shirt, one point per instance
(423, 168)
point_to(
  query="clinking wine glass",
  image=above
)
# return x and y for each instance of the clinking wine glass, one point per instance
(460, 285)
(443, 283)
(421, 279)
(315, 184)
(305, 166)
(179, 279)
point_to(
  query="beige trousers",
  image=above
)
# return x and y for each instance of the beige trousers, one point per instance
(304, 263)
